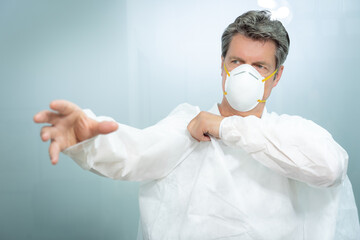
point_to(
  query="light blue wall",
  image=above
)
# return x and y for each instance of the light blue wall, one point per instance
(135, 61)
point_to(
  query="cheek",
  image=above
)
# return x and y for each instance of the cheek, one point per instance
(268, 86)
(223, 82)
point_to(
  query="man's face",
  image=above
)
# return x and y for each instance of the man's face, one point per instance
(259, 54)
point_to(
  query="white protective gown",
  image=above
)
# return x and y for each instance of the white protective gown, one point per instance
(278, 177)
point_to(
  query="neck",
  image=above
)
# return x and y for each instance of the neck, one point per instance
(226, 110)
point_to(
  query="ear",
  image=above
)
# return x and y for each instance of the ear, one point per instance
(278, 75)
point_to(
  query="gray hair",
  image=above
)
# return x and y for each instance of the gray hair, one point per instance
(257, 25)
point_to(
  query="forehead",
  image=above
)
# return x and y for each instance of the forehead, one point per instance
(252, 50)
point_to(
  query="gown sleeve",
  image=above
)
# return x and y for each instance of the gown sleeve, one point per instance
(138, 154)
(289, 145)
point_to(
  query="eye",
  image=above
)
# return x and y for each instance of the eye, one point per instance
(235, 61)
(260, 68)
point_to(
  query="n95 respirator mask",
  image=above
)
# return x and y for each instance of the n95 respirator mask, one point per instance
(244, 87)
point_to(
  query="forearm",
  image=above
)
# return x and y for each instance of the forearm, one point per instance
(292, 146)
(134, 154)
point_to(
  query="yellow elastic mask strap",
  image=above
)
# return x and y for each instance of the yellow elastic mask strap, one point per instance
(270, 76)
(227, 72)
(262, 101)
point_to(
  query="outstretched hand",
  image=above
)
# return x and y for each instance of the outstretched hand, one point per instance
(69, 126)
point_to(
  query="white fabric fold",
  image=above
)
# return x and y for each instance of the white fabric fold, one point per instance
(278, 177)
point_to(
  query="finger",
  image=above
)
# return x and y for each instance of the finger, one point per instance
(190, 126)
(45, 133)
(107, 127)
(205, 138)
(202, 138)
(192, 130)
(48, 132)
(46, 117)
(63, 107)
(54, 151)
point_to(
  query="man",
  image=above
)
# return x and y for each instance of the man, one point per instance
(235, 172)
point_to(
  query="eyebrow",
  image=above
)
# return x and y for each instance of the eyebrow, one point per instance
(258, 62)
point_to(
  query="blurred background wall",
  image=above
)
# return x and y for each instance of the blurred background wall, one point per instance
(135, 61)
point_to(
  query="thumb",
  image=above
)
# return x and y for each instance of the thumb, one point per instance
(106, 127)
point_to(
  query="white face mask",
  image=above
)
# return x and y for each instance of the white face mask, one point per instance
(244, 87)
